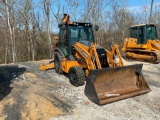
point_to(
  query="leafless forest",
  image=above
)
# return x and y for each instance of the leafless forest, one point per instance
(28, 27)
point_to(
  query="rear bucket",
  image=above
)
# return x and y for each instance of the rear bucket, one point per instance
(112, 84)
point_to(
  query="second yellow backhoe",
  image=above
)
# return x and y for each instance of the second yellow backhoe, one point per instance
(143, 43)
(107, 79)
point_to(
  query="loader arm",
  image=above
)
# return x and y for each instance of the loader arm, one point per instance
(89, 54)
(91, 57)
(115, 58)
(93, 53)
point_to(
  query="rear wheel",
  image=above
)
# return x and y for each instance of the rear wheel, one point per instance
(57, 61)
(76, 76)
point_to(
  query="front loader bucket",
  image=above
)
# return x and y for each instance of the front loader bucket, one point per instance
(112, 84)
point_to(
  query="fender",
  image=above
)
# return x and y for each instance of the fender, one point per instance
(60, 51)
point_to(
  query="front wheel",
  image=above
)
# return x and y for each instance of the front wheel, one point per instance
(76, 76)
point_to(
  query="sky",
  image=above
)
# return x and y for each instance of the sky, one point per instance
(134, 3)
(139, 5)
(131, 3)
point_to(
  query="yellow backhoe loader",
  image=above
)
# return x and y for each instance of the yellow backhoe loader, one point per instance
(107, 79)
(143, 43)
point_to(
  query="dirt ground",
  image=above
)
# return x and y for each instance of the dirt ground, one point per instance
(29, 94)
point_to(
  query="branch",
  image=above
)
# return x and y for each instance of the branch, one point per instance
(54, 15)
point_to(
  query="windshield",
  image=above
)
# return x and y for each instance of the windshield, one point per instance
(151, 32)
(79, 33)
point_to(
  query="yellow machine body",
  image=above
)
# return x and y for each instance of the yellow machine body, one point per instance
(148, 50)
(107, 79)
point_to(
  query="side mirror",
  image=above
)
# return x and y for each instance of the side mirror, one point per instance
(96, 27)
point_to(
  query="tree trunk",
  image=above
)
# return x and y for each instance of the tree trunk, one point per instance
(47, 13)
(11, 30)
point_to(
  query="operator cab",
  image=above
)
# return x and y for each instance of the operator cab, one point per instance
(143, 33)
(82, 32)
(74, 32)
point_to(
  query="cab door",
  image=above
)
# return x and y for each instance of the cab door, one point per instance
(63, 41)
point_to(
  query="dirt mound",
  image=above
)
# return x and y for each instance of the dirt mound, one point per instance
(29, 99)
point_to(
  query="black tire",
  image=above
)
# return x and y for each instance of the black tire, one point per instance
(57, 61)
(76, 76)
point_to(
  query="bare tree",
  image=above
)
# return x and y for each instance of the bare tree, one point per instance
(57, 13)
(87, 8)
(146, 10)
(25, 10)
(74, 4)
(10, 22)
(150, 18)
(47, 16)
